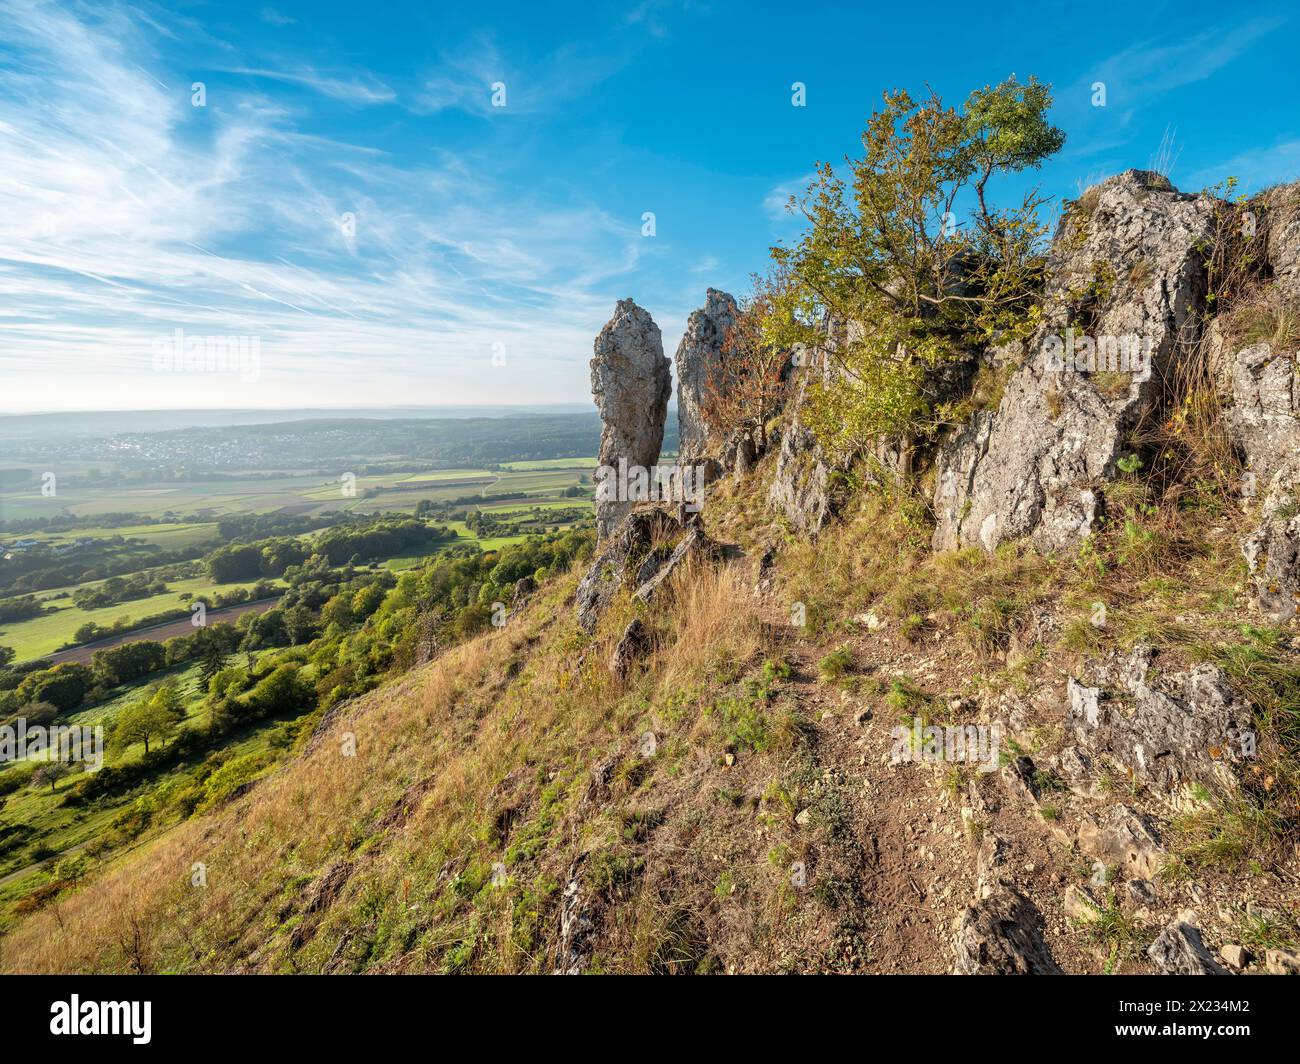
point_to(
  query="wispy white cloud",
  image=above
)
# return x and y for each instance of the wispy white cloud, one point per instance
(776, 204)
(273, 17)
(463, 78)
(126, 213)
(1254, 170)
(358, 88)
(1140, 74)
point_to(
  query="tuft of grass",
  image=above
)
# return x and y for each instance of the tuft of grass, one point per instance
(837, 665)
(1121, 935)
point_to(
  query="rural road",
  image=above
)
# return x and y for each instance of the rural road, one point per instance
(158, 632)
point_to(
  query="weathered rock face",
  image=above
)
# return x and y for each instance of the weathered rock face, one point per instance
(1264, 417)
(1272, 551)
(698, 356)
(1179, 950)
(643, 551)
(1263, 379)
(1001, 935)
(623, 552)
(1282, 218)
(801, 486)
(1123, 838)
(1166, 731)
(577, 925)
(634, 645)
(1130, 279)
(631, 383)
(1002, 932)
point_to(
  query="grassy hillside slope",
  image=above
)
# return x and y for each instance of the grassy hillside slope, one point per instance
(731, 806)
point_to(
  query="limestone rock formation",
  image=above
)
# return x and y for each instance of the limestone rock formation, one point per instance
(1163, 730)
(1179, 950)
(1272, 550)
(1282, 224)
(634, 645)
(1123, 838)
(622, 554)
(698, 356)
(801, 486)
(1264, 415)
(631, 383)
(1001, 935)
(577, 926)
(1125, 272)
(642, 552)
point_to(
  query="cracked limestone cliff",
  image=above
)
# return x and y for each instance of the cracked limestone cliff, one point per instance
(1125, 262)
(698, 356)
(631, 383)
(1258, 365)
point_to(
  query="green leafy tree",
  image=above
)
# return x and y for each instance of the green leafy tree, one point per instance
(50, 772)
(909, 257)
(167, 697)
(143, 722)
(212, 653)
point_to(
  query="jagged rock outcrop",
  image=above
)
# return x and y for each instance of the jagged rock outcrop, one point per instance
(1125, 271)
(631, 383)
(1264, 415)
(1272, 550)
(1179, 950)
(1164, 730)
(623, 552)
(698, 356)
(801, 486)
(1002, 932)
(1282, 224)
(641, 554)
(657, 569)
(634, 645)
(1000, 935)
(1260, 371)
(577, 925)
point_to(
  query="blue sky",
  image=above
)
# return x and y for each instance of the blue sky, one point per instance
(349, 195)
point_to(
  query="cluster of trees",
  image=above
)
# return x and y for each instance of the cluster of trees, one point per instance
(118, 589)
(265, 526)
(384, 537)
(336, 633)
(91, 631)
(484, 524)
(20, 609)
(71, 522)
(338, 544)
(71, 685)
(41, 568)
(237, 562)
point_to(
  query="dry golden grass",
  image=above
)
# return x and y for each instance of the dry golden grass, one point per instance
(440, 754)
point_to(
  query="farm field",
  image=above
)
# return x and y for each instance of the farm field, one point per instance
(305, 494)
(45, 634)
(538, 503)
(551, 463)
(177, 507)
